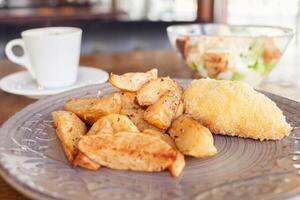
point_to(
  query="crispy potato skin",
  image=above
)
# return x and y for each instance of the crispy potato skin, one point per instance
(132, 82)
(134, 111)
(90, 109)
(164, 110)
(178, 165)
(128, 151)
(137, 117)
(192, 138)
(101, 127)
(154, 89)
(234, 108)
(129, 101)
(83, 161)
(69, 129)
(180, 109)
(112, 123)
(109, 124)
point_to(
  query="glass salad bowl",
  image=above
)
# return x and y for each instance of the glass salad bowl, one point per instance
(220, 51)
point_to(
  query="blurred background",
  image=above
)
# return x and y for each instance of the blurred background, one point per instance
(127, 25)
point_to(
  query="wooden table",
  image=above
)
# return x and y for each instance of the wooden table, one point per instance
(165, 60)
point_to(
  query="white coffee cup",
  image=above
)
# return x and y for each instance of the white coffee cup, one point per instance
(51, 55)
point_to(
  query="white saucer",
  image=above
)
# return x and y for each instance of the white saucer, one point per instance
(21, 83)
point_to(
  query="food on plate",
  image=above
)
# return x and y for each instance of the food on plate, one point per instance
(90, 109)
(178, 165)
(101, 127)
(109, 124)
(161, 113)
(137, 117)
(132, 81)
(69, 129)
(128, 101)
(128, 151)
(113, 123)
(128, 128)
(180, 109)
(154, 89)
(134, 111)
(191, 138)
(231, 58)
(234, 108)
(83, 161)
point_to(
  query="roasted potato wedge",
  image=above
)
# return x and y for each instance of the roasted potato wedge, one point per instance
(154, 89)
(112, 123)
(66, 121)
(128, 151)
(100, 127)
(128, 101)
(137, 117)
(192, 138)
(164, 110)
(108, 124)
(132, 81)
(83, 161)
(165, 137)
(131, 109)
(178, 165)
(180, 109)
(69, 128)
(90, 109)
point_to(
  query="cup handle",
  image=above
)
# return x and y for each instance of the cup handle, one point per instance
(21, 60)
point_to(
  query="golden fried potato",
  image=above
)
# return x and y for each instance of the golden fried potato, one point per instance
(154, 89)
(83, 161)
(132, 81)
(234, 108)
(66, 121)
(164, 110)
(98, 128)
(180, 109)
(128, 101)
(102, 126)
(90, 109)
(137, 117)
(192, 138)
(131, 109)
(178, 165)
(108, 124)
(128, 151)
(112, 123)
(69, 128)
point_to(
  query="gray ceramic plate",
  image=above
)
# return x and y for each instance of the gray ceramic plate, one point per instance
(33, 162)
